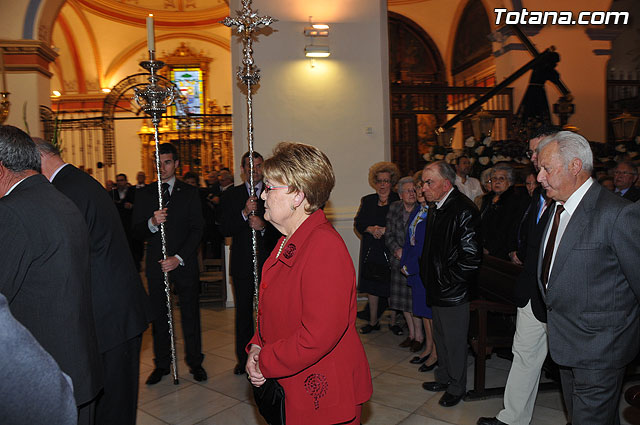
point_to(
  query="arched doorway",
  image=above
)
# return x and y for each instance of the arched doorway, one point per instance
(414, 64)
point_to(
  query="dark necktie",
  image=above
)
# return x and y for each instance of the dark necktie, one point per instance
(548, 252)
(166, 195)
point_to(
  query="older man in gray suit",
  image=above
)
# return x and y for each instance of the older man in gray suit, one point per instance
(588, 275)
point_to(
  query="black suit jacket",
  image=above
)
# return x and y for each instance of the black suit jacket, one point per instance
(183, 229)
(233, 224)
(46, 277)
(125, 213)
(633, 194)
(526, 287)
(119, 300)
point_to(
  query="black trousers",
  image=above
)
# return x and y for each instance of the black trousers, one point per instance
(118, 403)
(187, 290)
(243, 289)
(450, 330)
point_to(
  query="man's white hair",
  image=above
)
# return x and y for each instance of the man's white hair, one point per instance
(570, 145)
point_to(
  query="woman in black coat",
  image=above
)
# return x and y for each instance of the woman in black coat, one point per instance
(501, 212)
(370, 222)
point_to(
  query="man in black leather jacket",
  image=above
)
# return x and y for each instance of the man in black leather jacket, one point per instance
(449, 263)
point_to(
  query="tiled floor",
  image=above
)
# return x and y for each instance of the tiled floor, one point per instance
(398, 398)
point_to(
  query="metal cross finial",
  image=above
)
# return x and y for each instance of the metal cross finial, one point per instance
(247, 23)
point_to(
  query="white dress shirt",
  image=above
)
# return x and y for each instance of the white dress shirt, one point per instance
(569, 208)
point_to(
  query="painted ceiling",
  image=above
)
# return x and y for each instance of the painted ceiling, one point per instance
(166, 12)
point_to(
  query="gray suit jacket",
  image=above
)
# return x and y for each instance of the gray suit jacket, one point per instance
(593, 293)
(33, 389)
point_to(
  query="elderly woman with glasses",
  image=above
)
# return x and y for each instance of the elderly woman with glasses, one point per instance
(501, 211)
(306, 336)
(370, 222)
(400, 293)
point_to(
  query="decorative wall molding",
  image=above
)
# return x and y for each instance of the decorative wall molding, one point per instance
(28, 56)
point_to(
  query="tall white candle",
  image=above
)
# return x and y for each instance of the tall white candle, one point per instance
(151, 40)
(4, 72)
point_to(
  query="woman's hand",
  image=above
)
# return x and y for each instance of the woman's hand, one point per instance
(253, 369)
(376, 231)
(398, 253)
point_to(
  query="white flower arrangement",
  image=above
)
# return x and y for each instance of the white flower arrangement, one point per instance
(487, 141)
(480, 149)
(470, 142)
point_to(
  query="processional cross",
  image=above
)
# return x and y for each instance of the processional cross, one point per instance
(247, 23)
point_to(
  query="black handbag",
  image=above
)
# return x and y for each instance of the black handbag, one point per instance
(269, 398)
(376, 271)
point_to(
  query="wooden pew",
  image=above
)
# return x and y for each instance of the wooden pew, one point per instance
(494, 294)
(493, 297)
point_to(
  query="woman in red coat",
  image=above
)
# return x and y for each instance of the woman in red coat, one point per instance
(306, 335)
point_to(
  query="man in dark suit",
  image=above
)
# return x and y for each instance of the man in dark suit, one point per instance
(624, 180)
(238, 214)
(182, 216)
(45, 272)
(124, 197)
(530, 346)
(119, 299)
(588, 275)
(449, 263)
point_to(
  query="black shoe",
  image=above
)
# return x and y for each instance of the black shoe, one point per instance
(416, 346)
(368, 328)
(238, 370)
(448, 400)
(489, 421)
(156, 376)
(419, 360)
(434, 386)
(199, 374)
(425, 368)
(406, 343)
(397, 330)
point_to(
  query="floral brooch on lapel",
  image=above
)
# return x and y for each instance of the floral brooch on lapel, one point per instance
(289, 251)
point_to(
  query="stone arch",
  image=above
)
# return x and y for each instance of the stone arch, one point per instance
(126, 85)
(471, 44)
(413, 55)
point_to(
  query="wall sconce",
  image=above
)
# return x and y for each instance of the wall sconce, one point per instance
(316, 51)
(313, 31)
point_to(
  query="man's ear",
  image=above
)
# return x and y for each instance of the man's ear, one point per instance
(575, 166)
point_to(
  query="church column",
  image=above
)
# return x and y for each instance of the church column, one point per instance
(28, 77)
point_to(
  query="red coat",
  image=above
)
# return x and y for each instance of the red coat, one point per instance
(306, 323)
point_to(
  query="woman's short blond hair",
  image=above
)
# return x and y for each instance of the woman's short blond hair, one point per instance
(383, 167)
(303, 168)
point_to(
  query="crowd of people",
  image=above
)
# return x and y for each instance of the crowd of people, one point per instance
(72, 300)
(587, 294)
